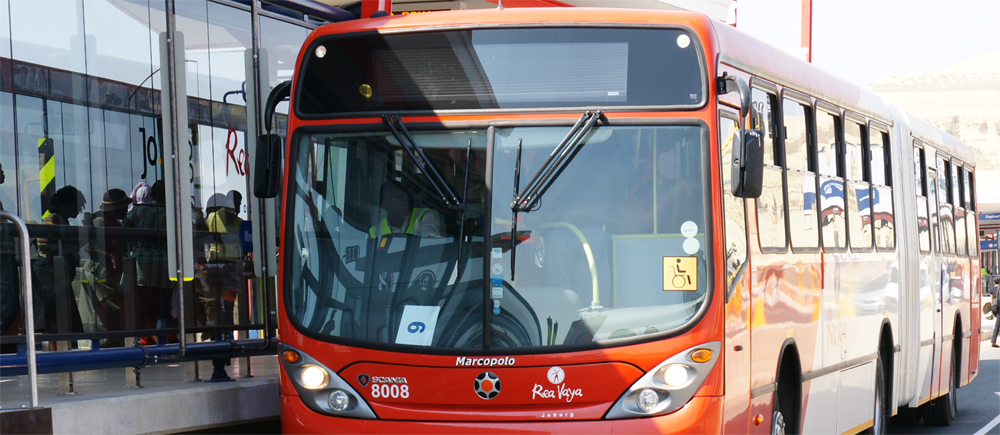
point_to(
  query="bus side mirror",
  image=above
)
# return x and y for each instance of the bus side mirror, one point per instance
(748, 163)
(267, 164)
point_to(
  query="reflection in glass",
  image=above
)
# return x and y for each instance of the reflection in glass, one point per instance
(796, 135)
(826, 143)
(734, 208)
(602, 258)
(771, 210)
(802, 210)
(884, 219)
(361, 267)
(859, 215)
(833, 217)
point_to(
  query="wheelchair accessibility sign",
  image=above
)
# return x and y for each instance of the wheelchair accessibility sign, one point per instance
(680, 273)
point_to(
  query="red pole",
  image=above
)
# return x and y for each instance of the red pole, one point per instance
(369, 7)
(807, 33)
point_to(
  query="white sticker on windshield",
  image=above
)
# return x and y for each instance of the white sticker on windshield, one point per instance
(691, 246)
(496, 253)
(689, 229)
(416, 326)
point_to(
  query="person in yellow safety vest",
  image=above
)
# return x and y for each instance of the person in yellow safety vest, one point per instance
(402, 218)
(223, 218)
(226, 270)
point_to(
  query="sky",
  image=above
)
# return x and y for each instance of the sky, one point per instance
(864, 41)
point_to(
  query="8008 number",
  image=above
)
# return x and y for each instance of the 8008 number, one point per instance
(391, 391)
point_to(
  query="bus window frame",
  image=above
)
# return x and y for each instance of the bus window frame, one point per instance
(958, 190)
(920, 165)
(806, 102)
(707, 81)
(732, 113)
(944, 169)
(838, 133)
(875, 127)
(778, 152)
(852, 118)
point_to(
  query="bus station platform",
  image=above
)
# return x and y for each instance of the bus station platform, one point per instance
(168, 401)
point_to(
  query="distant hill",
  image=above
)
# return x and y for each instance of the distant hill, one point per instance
(962, 101)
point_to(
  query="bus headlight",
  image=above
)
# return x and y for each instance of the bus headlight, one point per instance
(668, 386)
(320, 388)
(647, 400)
(675, 375)
(314, 377)
(339, 400)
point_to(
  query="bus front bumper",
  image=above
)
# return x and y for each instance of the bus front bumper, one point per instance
(700, 415)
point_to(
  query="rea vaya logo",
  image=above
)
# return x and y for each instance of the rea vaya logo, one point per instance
(556, 377)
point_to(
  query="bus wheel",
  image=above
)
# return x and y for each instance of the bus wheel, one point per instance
(785, 412)
(942, 411)
(880, 424)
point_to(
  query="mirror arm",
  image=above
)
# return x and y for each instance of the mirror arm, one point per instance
(280, 92)
(727, 83)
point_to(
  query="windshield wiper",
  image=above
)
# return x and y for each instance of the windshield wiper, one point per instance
(558, 159)
(434, 178)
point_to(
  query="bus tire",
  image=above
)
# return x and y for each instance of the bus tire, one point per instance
(942, 411)
(787, 397)
(880, 422)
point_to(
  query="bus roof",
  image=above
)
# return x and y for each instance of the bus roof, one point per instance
(733, 47)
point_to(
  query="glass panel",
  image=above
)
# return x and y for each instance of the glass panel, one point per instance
(826, 143)
(918, 170)
(603, 259)
(973, 235)
(932, 206)
(946, 213)
(961, 248)
(955, 190)
(796, 136)
(852, 152)
(923, 225)
(374, 251)
(762, 118)
(502, 68)
(9, 178)
(771, 210)
(879, 151)
(833, 216)
(120, 44)
(859, 215)
(884, 220)
(30, 129)
(802, 210)
(59, 43)
(734, 208)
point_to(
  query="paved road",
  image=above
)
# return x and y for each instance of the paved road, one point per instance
(978, 402)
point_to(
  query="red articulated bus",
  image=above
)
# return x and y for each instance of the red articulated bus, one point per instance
(610, 221)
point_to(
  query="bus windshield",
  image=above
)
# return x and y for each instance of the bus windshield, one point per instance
(615, 249)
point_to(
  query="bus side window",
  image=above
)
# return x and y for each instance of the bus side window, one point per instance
(771, 203)
(733, 207)
(831, 169)
(945, 213)
(801, 176)
(857, 188)
(883, 219)
(970, 199)
(923, 217)
(958, 193)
